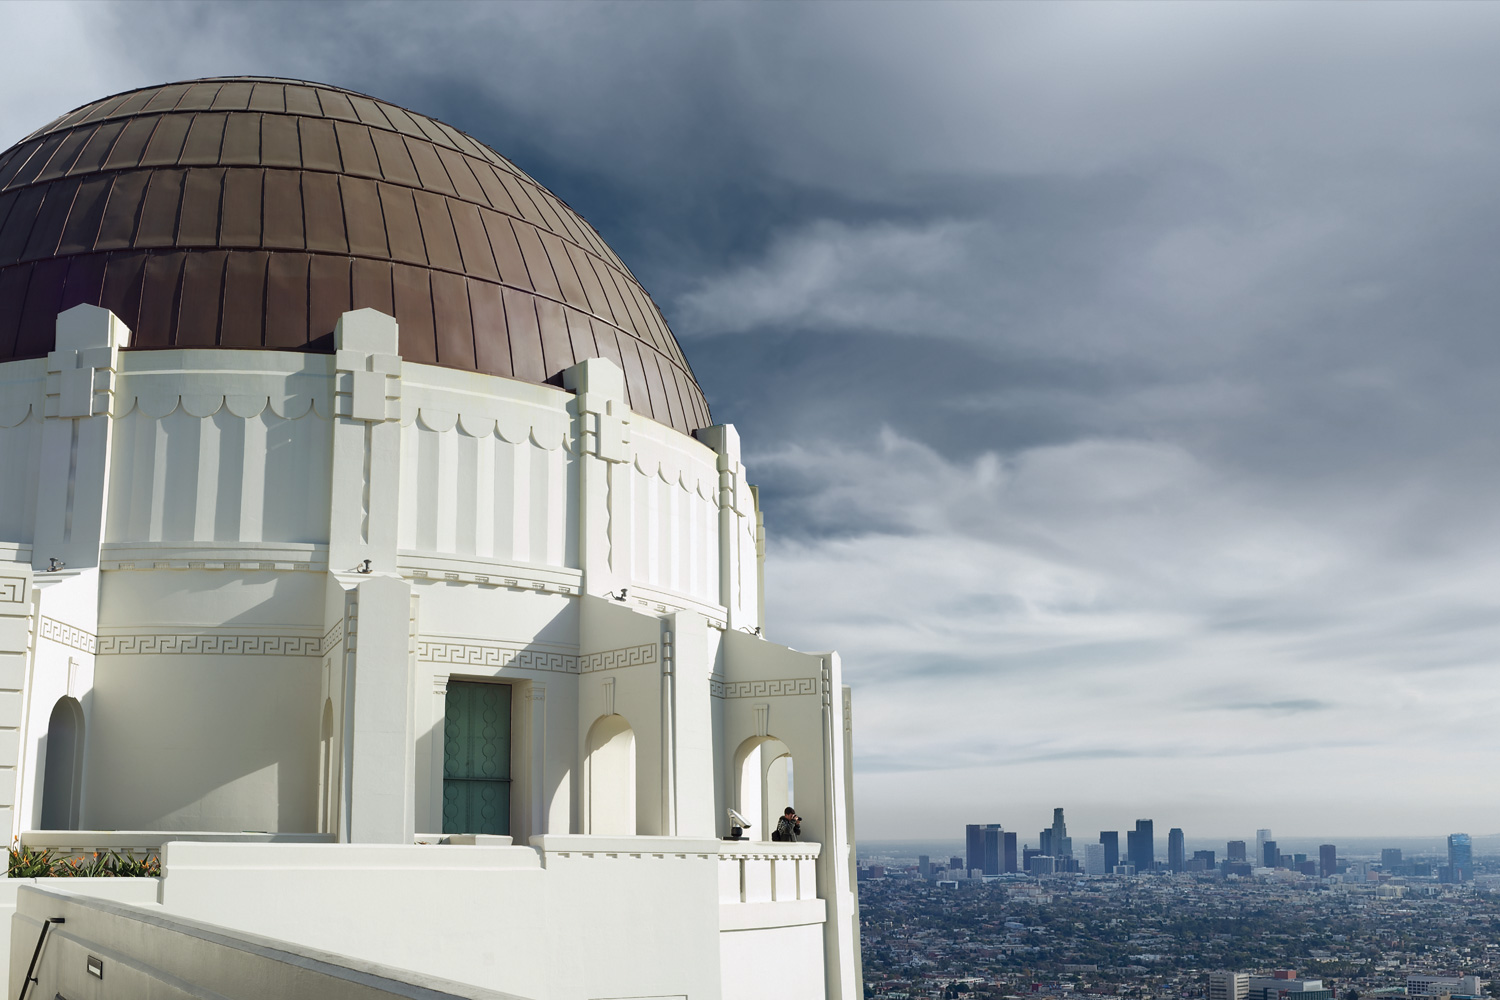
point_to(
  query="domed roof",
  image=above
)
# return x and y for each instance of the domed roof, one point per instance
(251, 212)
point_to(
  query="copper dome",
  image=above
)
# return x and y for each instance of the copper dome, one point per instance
(252, 212)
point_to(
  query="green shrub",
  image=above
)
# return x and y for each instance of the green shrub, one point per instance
(28, 862)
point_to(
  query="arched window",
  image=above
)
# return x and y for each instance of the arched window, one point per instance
(610, 777)
(763, 770)
(62, 777)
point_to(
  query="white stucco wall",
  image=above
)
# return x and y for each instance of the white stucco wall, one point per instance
(272, 567)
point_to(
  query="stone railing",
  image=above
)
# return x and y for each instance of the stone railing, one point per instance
(767, 872)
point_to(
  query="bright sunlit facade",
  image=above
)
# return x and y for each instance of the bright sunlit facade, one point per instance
(365, 541)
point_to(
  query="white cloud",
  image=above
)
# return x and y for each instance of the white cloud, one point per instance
(1128, 623)
(834, 275)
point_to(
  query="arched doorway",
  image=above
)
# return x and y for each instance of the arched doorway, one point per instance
(611, 777)
(763, 772)
(62, 777)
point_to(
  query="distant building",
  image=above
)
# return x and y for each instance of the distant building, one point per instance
(924, 865)
(1143, 854)
(1027, 853)
(1270, 856)
(1283, 984)
(1176, 849)
(1124, 869)
(1461, 856)
(1207, 857)
(1042, 864)
(955, 864)
(1228, 985)
(1044, 841)
(974, 843)
(1110, 841)
(1062, 844)
(1261, 836)
(1436, 986)
(1093, 859)
(1009, 860)
(1235, 851)
(1328, 859)
(993, 838)
(1390, 857)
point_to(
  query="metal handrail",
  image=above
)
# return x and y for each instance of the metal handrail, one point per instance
(40, 940)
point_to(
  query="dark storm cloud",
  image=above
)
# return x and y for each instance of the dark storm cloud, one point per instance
(1120, 378)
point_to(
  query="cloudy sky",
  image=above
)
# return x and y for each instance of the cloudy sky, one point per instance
(1122, 380)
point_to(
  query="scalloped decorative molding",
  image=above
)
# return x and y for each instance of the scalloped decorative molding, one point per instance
(14, 414)
(159, 404)
(547, 429)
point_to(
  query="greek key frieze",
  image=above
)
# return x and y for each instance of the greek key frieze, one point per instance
(475, 654)
(331, 638)
(67, 635)
(11, 591)
(494, 656)
(770, 687)
(210, 644)
(614, 659)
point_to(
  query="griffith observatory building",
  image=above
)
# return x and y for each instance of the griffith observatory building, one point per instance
(368, 552)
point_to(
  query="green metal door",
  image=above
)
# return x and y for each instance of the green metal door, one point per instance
(476, 758)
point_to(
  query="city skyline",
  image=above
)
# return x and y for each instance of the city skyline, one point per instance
(1118, 379)
(1251, 847)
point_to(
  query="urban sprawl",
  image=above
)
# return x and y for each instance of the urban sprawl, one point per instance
(1115, 920)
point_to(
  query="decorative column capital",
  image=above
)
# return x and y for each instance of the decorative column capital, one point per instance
(81, 369)
(603, 416)
(725, 441)
(367, 380)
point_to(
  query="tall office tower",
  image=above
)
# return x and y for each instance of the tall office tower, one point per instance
(1207, 857)
(955, 863)
(924, 865)
(1390, 857)
(1111, 841)
(1176, 849)
(1093, 859)
(1009, 861)
(1131, 850)
(993, 837)
(1062, 844)
(1144, 854)
(1270, 855)
(1261, 836)
(1236, 851)
(1328, 859)
(974, 844)
(1044, 842)
(1461, 856)
(1228, 985)
(1027, 853)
